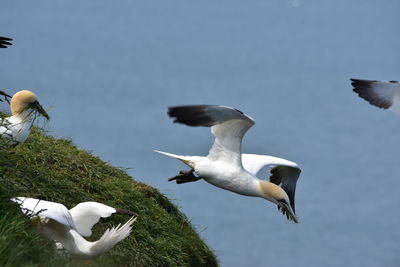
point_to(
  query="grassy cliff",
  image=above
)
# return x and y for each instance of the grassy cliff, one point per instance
(56, 170)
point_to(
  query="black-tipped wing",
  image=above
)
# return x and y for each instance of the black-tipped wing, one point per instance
(228, 125)
(377, 93)
(286, 177)
(5, 42)
(205, 115)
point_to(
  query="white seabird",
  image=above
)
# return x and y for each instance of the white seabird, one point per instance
(382, 94)
(226, 167)
(16, 128)
(67, 227)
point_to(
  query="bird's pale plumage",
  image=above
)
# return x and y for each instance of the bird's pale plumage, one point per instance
(24, 106)
(382, 94)
(228, 126)
(223, 166)
(87, 214)
(67, 227)
(55, 211)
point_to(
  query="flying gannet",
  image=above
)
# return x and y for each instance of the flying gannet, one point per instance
(24, 108)
(4, 42)
(67, 227)
(226, 167)
(384, 95)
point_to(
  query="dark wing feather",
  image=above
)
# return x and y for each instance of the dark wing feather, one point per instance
(377, 93)
(191, 115)
(286, 177)
(205, 115)
(4, 42)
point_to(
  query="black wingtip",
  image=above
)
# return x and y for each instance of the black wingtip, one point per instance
(365, 89)
(5, 42)
(277, 177)
(193, 115)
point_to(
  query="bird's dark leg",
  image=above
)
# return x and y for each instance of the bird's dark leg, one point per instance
(185, 177)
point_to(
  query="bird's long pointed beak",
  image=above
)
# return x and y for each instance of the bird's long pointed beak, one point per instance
(36, 106)
(284, 207)
(126, 212)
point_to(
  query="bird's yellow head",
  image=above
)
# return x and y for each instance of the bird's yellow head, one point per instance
(26, 100)
(277, 195)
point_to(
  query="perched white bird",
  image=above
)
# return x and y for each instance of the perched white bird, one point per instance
(226, 167)
(384, 95)
(68, 227)
(24, 108)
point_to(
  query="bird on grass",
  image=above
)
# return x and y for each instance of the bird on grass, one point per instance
(382, 94)
(226, 167)
(5, 42)
(68, 227)
(25, 108)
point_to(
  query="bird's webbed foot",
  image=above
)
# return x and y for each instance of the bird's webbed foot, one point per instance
(185, 177)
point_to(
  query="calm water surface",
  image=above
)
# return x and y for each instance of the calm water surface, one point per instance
(109, 70)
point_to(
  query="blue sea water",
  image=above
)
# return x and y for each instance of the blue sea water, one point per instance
(108, 70)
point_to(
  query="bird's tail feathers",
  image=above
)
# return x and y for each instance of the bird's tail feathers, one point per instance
(112, 236)
(185, 159)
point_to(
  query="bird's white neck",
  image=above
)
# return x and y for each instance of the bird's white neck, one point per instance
(26, 115)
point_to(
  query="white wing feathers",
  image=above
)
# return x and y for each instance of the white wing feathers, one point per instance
(253, 163)
(228, 140)
(87, 214)
(112, 236)
(228, 125)
(52, 210)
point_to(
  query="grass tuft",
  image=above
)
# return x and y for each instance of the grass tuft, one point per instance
(54, 169)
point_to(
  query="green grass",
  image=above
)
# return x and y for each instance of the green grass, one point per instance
(54, 169)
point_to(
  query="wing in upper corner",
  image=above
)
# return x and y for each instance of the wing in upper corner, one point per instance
(377, 93)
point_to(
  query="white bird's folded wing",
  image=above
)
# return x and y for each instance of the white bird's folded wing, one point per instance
(87, 214)
(52, 210)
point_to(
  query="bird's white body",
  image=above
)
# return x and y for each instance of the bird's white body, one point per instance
(16, 129)
(226, 176)
(222, 174)
(73, 242)
(67, 227)
(225, 166)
